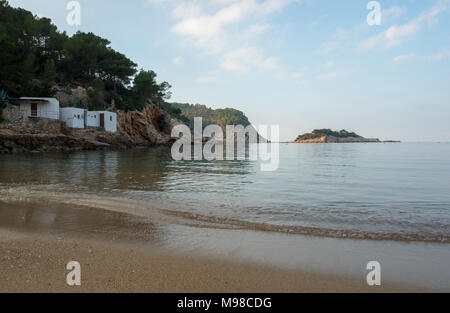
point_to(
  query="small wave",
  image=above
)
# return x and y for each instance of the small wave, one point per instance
(139, 208)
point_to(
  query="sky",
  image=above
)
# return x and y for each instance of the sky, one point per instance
(299, 64)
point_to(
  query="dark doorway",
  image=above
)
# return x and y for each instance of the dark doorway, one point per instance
(102, 120)
(34, 109)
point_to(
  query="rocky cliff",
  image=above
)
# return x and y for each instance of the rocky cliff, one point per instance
(150, 127)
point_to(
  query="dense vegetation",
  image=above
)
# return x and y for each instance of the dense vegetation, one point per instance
(35, 56)
(3, 103)
(319, 133)
(221, 117)
(3, 99)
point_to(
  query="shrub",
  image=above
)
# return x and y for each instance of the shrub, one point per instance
(318, 133)
(3, 99)
(67, 90)
(176, 111)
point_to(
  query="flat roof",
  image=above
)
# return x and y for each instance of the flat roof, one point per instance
(102, 112)
(34, 99)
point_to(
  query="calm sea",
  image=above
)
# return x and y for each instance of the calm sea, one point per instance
(364, 191)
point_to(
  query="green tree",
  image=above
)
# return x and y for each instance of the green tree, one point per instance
(164, 92)
(48, 78)
(96, 93)
(27, 45)
(10, 78)
(4, 100)
(146, 87)
(116, 68)
(34, 56)
(82, 53)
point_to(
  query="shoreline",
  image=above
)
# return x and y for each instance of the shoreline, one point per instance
(19, 143)
(119, 253)
(155, 212)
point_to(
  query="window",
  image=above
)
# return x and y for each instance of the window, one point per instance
(110, 118)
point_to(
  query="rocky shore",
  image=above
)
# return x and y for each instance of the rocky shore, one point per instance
(332, 139)
(149, 127)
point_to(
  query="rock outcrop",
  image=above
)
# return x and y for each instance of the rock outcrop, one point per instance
(152, 125)
(332, 139)
(148, 128)
(71, 96)
(11, 142)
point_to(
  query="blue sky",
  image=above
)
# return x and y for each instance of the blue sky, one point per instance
(302, 64)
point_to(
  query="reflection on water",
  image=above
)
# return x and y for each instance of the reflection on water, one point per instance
(97, 171)
(60, 219)
(397, 191)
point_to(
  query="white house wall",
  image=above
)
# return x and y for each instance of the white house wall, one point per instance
(49, 109)
(93, 119)
(110, 120)
(73, 117)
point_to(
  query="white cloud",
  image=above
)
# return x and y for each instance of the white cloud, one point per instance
(403, 58)
(208, 30)
(243, 59)
(395, 35)
(392, 12)
(257, 29)
(329, 64)
(298, 74)
(211, 25)
(333, 74)
(271, 6)
(156, 1)
(445, 54)
(206, 79)
(442, 55)
(341, 36)
(178, 60)
(336, 41)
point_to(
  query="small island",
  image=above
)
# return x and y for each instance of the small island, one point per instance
(330, 136)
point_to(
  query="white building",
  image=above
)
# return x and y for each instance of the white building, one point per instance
(103, 119)
(73, 117)
(40, 107)
(92, 119)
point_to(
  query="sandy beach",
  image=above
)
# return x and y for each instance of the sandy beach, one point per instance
(36, 263)
(238, 146)
(33, 258)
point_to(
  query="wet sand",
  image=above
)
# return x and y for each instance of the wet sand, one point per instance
(119, 253)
